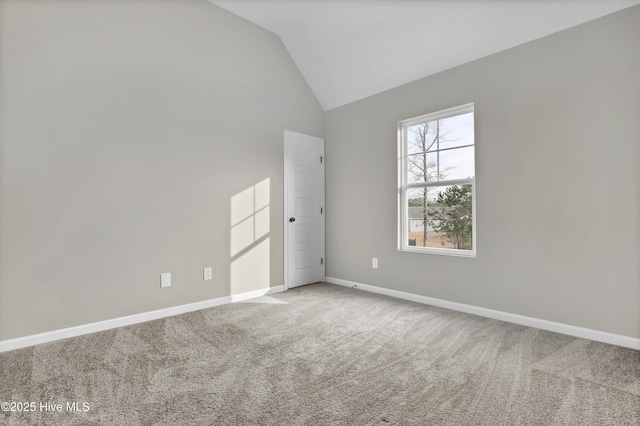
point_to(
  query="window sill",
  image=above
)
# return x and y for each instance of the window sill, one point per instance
(437, 251)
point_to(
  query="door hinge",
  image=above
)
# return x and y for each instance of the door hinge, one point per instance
(321, 261)
(320, 210)
(320, 159)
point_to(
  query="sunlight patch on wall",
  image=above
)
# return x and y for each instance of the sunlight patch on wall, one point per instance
(250, 242)
(250, 216)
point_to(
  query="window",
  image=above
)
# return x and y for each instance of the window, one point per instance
(437, 183)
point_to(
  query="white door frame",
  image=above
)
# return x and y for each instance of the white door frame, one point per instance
(287, 171)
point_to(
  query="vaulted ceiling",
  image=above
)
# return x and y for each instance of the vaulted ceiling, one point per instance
(350, 49)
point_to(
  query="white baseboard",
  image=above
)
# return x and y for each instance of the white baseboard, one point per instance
(36, 339)
(585, 333)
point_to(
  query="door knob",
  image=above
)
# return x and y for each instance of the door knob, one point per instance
(292, 219)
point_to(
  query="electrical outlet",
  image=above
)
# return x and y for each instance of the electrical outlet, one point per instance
(374, 263)
(165, 279)
(207, 273)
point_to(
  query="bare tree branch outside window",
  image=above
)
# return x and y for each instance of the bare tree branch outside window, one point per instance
(423, 163)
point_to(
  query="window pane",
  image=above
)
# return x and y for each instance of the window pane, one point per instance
(453, 164)
(456, 131)
(457, 163)
(421, 138)
(421, 168)
(417, 198)
(449, 222)
(440, 134)
(418, 216)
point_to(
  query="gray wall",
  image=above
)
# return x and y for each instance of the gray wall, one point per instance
(557, 163)
(126, 127)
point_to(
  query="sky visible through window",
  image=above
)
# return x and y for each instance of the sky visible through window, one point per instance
(455, 132)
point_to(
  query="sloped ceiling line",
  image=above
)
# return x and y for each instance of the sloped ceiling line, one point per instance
(350, 49)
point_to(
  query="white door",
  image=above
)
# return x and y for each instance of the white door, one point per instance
(303, 209)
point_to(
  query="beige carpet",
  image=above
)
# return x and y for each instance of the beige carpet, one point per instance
(325, 355)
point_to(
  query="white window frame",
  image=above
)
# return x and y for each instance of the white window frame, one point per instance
(403, 185)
